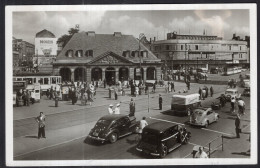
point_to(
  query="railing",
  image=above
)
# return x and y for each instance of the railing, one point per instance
(209, 147)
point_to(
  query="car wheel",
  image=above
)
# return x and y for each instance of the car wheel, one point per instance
(113, 137)
(206, 124)
(164, 151)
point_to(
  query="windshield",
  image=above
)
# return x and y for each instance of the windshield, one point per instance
(199, 112)
(179, 107)
(103, 123)
(150, 138)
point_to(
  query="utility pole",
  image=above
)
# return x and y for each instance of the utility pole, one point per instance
(185, 57)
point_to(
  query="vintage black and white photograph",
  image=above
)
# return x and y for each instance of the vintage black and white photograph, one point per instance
(131, 85)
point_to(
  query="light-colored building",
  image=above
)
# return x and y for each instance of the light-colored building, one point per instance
(195, 51)
(114, 57)
(45, 50)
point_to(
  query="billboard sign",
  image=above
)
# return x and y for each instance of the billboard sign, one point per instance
(46, 46)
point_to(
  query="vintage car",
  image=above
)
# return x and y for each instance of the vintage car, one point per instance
(245, 83)
(231, 93)
(111, 127)
(246, 92)
(203, 117)
(162, 137)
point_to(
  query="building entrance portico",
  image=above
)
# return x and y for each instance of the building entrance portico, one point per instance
(96, 74)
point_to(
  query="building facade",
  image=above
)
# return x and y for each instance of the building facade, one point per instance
(114, 57)
(197, 51)
(45, 50)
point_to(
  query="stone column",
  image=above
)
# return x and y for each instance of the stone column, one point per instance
(117, 75)
(72, 75)
(131, 73)
(158, 73)
(103, 73)
(145, 72)
(88, 75)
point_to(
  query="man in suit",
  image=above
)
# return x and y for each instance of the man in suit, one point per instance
(237, 124)
(160, 102)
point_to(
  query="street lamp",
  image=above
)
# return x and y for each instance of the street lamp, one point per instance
(141, 35)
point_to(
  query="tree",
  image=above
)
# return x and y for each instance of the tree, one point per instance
(66, 37)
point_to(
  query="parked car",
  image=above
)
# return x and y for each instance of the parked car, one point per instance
(114, 126)
(246, 92)
(245, 83)
(231, 93)
(162, 137)
(203, 117)
(247, 76)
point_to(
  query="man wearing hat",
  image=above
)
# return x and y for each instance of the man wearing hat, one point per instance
(132, 107)
(117, 109)
(110, 110)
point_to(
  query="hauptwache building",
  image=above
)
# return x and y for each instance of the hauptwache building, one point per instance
(115, 57)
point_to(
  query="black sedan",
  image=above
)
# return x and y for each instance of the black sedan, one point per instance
(162, 137)
(111, 127)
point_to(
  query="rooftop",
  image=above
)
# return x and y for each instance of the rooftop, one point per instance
(45, 34)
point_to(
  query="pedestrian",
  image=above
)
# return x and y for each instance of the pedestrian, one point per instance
(27, 98)
(207, 91)
(211, 91)
(166, 88)
(110, 109)
(136, 90)
(200, 93)
(143, 123)
(206, 77)
(160, 102)
(132, 108)
(203, 94)
(116, 93)
(169, 87)
(232, 102)
(172, 86)
(241, 106)
(237, 124)
(195, 150)
(84, 98)
(47, 93)
(154, 87)
(105, 82)
(41, 123)
(73, 96)
(51, 93)
(188, 85)
(117, 109)
(201, 153)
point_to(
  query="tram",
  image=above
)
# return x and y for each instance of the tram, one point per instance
(45, 81)
(232, 68)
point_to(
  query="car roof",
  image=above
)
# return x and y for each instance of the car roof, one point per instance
(158, 127)
(231, 90)
(112, 117)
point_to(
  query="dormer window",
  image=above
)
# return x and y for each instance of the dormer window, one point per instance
(69, 53)
(89, 53)
(144, 54)
(79, 53)
(126, 53)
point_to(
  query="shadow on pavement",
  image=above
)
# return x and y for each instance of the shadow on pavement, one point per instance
(92, 142)
(133, 151)
(53, 106)
(241, 153)
(31, 136)
(229, 137)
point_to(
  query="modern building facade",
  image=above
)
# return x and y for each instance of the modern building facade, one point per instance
(114, 57)
(45, 50)
(196, 51)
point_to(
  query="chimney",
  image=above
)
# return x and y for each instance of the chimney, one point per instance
(154, 39)
(117, 34)
(150, 40)
(91, 33)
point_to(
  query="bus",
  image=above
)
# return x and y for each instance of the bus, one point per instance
(45, 81)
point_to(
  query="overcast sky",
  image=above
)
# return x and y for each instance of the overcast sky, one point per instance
(222, 23)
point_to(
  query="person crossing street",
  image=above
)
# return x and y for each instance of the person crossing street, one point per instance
(160, 102)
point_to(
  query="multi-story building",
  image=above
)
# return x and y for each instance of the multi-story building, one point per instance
(114, 57)
(23, 51)
(45, 50)
(198, 51)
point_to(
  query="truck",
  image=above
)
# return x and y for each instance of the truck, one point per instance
(181, 103)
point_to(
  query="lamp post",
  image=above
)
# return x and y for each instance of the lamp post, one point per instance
(141, 35)
(197, 62)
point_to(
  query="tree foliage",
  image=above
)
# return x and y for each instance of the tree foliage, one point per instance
(66, 37)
